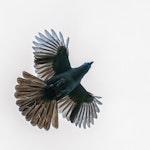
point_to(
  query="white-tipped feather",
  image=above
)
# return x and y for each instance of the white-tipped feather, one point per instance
(42, 36)
(67, 109)
(85, 116)
(88, 116)
(42, 70)
(61, 39)
(63, 103)
(66, 106)
(45, 46)
(93, 110)
(70, 111)
(55, 35)
(96, 107)
(39, 66)
(40, 50)
(97, 101)
(78, 116)
(67, 42)
(81, 116)
(45, 41)
(52, 39)
(91, 115)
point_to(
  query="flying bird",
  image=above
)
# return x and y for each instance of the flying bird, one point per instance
(57, 87)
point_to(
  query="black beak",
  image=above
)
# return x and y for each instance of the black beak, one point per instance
(91, 62)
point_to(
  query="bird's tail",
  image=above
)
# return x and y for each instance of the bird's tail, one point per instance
(33, 104)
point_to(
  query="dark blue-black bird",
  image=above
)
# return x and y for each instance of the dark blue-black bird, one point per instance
(57, 86)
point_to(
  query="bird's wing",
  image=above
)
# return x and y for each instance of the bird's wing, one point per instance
(80, 107)
(51, 54)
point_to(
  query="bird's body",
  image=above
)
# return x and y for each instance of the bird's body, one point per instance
(56, 87)
(63, 84)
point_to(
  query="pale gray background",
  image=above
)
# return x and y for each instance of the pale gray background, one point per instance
(115, 34)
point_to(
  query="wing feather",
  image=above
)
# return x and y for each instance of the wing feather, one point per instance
(50, 51)
(80, 107)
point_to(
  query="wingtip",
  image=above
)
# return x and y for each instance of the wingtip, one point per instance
(67, 41)
(33, 47)
(52, 30)
(45, 31)
(99, 102)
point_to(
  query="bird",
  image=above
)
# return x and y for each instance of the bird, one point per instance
(57, 87)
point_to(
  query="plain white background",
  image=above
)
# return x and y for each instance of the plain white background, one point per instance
(115, 34)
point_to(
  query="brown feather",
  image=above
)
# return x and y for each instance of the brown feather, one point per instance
(33, 78)
(55, 116)
(36, 109)
(48, 116)
(24, 88)
(26, 94)
(22, 81)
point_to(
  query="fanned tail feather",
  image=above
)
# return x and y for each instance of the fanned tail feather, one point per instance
(32, 103)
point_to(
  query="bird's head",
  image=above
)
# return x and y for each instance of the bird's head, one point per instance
(88, 64)
(79, 72)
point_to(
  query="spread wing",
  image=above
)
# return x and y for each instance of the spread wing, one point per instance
(80, 107)
(51, 54)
